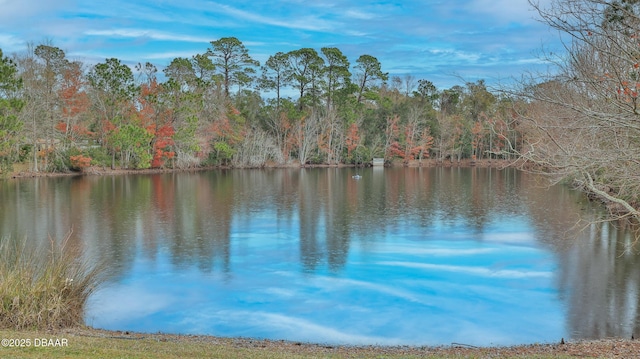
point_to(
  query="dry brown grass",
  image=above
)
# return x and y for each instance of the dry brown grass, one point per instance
(44, 287)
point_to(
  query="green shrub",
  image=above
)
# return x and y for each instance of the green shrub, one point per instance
(59, 162)
(221, 154)
(359, 156)
(99, 156)
(24, 153)
(316, 159)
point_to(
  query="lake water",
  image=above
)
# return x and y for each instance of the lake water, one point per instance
(418, 256)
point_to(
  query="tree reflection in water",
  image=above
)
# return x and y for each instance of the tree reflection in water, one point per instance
(239, 226)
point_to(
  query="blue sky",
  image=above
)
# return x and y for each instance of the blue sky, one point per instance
(446, 42)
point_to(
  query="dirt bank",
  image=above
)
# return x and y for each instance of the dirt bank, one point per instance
(23, 171)
(609, 348)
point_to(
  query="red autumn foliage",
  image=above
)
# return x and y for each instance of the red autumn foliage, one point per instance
(75, 100)
(290, 136)
(62, 127)
(353, 138)
(426, 142)
(395, 150)
(162, 144)
(477, 133)
(224, 130)
(108, 126)
(392, 147)
(80, 161)
(81, 129)
(157, 121)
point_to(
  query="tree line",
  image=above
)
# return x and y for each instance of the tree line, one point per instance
(578, 124)
(224, 108)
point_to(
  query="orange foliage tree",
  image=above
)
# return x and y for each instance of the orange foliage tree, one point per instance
(392, 146)
(80, 161)
(156, 118)
(75, 103)
(228, 132)
(352, 139)
(425, 143)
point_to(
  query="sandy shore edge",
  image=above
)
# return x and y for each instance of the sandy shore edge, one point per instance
(601, 348)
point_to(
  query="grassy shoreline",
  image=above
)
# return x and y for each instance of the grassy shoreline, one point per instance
(44, 286)
(82, 342)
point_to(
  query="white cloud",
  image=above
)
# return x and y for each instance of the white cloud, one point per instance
(505, 10)
(306, 22)
(15, 12)
(456, 55)
(481, 36)
(140, 33)
(169, 55)
(10, 43)
(359, 14)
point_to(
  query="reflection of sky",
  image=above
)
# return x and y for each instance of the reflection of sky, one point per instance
(422, 286)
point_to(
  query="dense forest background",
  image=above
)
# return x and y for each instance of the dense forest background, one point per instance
(222, 107)
(578, 123)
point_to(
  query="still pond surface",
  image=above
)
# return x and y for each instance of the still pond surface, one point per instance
(419, 256)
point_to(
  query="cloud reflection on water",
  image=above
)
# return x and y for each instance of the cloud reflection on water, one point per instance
(479, 271)
(419, 256)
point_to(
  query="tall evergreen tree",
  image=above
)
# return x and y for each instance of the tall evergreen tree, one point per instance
(337, 72)
(231, 57)
(369, 71)
(10, 105)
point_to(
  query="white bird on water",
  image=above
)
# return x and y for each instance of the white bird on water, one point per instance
(356, 177)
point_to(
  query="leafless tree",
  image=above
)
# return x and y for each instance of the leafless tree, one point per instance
(306, 136)
(583, 122)
(256, 150)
